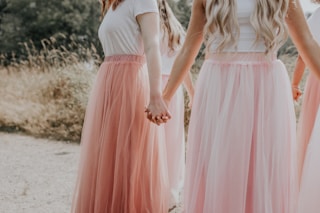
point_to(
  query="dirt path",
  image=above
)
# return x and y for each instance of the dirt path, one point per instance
(37, 175)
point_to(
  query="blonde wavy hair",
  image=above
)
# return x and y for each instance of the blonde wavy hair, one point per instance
(170, 26)
(267, 21)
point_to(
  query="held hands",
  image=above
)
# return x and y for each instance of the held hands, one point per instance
(157, 111)
(296, 93)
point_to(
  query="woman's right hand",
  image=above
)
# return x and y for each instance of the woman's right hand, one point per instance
(296, 93)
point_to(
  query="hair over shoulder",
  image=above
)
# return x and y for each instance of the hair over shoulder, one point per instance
(268, 21)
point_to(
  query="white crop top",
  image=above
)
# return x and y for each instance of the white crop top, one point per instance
(247, 35)
(119, 32)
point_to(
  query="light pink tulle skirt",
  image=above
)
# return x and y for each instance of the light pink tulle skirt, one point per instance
(123, 166)
(310, 183)
(175, 141)
(310, 105)
(241, 155)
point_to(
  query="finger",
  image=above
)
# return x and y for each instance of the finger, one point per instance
(154, 118)
(168, 114)
(149, 116)
(158, 122)
(165, 116)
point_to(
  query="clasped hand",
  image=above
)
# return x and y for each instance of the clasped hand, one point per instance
(296, 93)
(157, 111)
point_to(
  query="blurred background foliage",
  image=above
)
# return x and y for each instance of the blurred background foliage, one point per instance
(31, 21)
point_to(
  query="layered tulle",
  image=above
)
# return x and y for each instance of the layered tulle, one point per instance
(241, 154)
(310, 182)
(123, 166)
(175, 143)
(310, 105)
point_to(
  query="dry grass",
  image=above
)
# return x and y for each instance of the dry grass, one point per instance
(50, 104)
(46, 95)
(56, 51)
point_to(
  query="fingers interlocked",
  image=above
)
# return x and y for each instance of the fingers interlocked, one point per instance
(158, 119)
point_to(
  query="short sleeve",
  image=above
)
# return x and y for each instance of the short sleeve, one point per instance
(145, 6)
(313, 23)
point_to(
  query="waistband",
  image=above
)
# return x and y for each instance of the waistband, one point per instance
(241, 58)
(125, 58)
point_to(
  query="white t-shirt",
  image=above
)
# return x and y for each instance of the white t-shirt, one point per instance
(119, 32)
(314, 24)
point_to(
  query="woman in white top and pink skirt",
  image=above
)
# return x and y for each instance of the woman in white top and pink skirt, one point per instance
(123, 166)
(241, 155)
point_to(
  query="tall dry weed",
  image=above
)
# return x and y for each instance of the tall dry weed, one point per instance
(46, 104)
(45, 94)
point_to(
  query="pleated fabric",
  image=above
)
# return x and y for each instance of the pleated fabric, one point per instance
(241, 153)
(309, 109)
(123, 166)
(175, 144)
(310, 182)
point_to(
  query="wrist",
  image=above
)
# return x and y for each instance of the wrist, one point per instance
(191, 92)
(155, 95)
(295, 86)
(166, 98)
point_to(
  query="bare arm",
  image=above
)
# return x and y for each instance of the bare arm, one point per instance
(149, 25)
(296, 78)
(189, 50)
(150, 34)
(307, 46)
(298, 72)
(189, 87)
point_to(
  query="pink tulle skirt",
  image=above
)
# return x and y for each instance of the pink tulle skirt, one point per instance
(310, 105)
(310, 183)
(175, 142)
(241, 154)
(123, 166)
